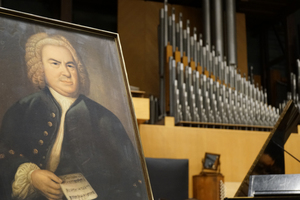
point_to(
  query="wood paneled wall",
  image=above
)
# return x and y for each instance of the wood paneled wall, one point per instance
(137, 26)
(241, 38)
(238, 149)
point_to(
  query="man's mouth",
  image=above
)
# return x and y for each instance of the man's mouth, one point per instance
(69, 82)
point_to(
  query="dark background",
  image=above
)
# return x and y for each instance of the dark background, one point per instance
(272, 31)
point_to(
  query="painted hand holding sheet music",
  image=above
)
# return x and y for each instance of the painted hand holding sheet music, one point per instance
(72, 186)
(47, 183)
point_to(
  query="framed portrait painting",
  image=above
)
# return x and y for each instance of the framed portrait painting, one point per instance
(68, 128)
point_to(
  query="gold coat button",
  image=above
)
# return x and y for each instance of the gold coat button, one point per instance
(35, 151)
(12, 152)
(50, 124)
(41, 165)
(46, 133)
(44, 157)
(41, 142)
(2, 156)
(52, 115)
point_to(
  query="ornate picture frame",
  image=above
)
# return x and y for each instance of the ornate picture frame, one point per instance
(81, 128)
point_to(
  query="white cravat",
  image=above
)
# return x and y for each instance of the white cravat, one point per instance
(65, 103)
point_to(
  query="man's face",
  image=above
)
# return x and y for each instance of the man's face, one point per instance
(60, 70)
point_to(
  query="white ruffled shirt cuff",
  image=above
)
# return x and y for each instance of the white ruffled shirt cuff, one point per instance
(22, 186)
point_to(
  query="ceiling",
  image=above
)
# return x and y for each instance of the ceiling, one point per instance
(266, 11)
(257, 12)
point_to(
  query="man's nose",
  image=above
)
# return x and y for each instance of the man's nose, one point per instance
(65, 70)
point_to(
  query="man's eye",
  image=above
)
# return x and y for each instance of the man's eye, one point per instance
(71, 66)
(54, 63)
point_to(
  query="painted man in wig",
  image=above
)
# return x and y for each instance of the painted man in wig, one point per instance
(58, 131)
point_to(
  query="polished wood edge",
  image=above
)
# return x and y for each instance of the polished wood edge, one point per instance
(220, 124)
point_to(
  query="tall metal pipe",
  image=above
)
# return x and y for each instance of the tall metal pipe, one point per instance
(231, 33)
(173, 31)
(218, 27)
(166, 40)
(180, 35)
(188, 42)
(206, 18)
(161, 43)
(162, 31)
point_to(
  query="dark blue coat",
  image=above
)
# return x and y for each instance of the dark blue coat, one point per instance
(95, 144)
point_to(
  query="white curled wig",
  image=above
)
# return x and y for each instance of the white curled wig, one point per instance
(33, 58)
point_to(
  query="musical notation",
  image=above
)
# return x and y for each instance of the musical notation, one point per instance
(76, 187)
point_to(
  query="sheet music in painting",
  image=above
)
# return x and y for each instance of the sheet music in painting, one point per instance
(75, 186)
